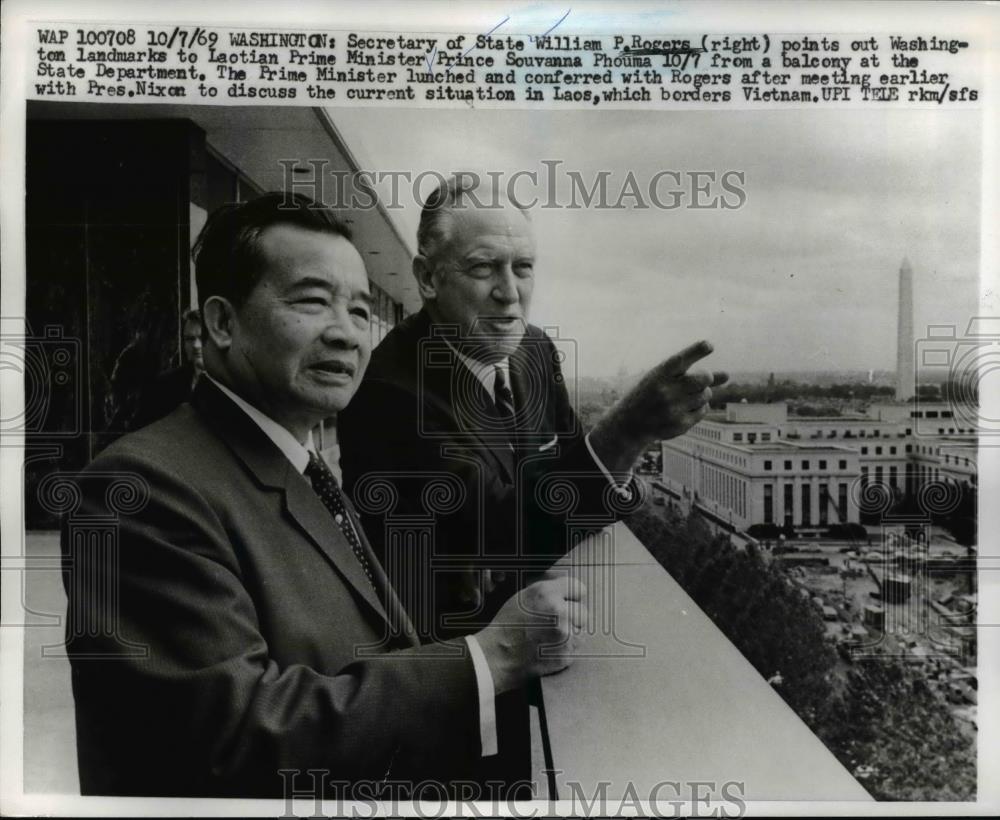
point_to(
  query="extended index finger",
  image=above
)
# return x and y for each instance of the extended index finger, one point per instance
(678, 364)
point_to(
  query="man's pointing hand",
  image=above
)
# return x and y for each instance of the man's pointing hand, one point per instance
(668, 401)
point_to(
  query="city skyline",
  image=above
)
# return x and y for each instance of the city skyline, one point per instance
(803, 277)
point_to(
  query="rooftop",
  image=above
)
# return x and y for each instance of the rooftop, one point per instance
(784, 445)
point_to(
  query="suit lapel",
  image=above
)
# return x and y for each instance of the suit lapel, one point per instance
(499, 445)
(456, 391)
(533, 383)
(527, 398)
(399, 621)
(272, 469)
(308, 511)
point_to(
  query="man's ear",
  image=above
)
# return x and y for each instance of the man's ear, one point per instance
(424, 274)
(218, 316)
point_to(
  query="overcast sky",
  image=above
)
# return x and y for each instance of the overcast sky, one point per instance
(804, 276)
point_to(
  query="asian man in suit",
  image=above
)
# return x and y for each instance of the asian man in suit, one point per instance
(244, 631)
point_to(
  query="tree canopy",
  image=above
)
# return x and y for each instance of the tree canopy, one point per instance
(879, 718)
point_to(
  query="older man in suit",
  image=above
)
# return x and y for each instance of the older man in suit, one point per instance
(466, 391)
(468, 388)
(245, 631)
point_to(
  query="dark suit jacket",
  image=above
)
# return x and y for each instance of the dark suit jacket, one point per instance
(223, 643)
(442, 484)
(421, 442)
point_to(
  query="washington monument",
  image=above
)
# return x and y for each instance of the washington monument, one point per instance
(905, 372)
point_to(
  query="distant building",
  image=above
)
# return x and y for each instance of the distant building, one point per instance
(756, 464)
(741, 468)
(899, 446)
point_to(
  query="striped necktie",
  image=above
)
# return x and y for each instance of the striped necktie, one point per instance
(503, 398)
(325, 485)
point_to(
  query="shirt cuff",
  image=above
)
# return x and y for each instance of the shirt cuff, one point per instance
(487, 695)
(623, 488)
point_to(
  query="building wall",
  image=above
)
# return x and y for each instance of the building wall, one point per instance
(107, 239)
(755, 464)
(733, 480)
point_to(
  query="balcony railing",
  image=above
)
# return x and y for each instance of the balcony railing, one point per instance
(659, 693)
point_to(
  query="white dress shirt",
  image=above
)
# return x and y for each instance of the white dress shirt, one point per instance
(298, 454)
(295, 451)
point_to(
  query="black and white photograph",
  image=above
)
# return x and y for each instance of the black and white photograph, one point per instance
(515, 409)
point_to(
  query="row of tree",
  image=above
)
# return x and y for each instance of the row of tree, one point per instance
(884, 723)
(787, 390)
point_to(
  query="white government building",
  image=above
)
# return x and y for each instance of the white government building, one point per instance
(756, 464)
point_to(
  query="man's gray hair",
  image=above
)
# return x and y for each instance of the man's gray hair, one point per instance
(455, 193)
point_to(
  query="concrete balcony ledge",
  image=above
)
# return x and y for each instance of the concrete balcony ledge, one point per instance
(658, 693)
